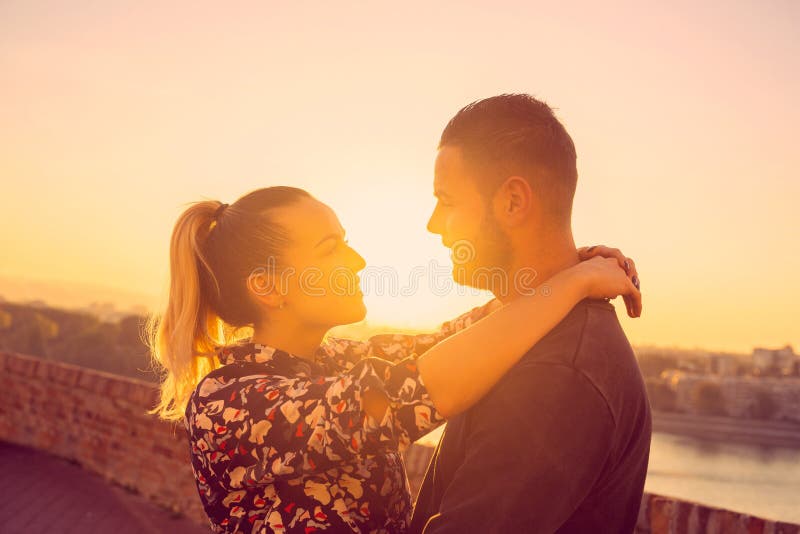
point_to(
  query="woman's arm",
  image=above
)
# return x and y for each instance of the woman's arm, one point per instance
(395, 347)
(398, 346)
(461, 369)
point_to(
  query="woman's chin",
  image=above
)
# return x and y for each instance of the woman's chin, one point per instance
(357, 311)
(360, 311)
(349, 312)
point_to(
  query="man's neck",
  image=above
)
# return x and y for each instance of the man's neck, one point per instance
(534, 264)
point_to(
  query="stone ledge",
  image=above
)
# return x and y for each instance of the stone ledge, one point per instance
(667, 515)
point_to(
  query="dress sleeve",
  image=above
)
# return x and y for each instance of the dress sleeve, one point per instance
(396, 347)
(260, 428)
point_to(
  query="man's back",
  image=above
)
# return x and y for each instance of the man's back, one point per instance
(560, 444)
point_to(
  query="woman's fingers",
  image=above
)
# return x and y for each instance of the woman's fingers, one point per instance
(633, 300)
(635, 297)
(628, 304)
(584, 253)
(632, 268)
(608, 256)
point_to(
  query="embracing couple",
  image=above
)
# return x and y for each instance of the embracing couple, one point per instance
(292, 431)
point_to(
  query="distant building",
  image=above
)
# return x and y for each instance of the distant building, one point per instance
(740, 393)
(787, 393)
(781, 362)
(682, 383)
(722, 365)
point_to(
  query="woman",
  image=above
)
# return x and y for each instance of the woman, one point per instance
(286, 434)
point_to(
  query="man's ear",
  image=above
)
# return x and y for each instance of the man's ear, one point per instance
(516, 199)
(262, 287)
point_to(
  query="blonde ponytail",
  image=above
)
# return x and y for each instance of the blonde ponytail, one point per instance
(211, 254)
(183, 338)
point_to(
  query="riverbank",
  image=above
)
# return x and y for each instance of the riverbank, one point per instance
(728, 429)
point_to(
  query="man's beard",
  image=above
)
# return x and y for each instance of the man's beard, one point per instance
(486, 262)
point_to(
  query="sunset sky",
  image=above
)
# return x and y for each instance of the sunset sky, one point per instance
(113, 115)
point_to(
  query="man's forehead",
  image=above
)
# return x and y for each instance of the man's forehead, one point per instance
(451, 174)
(448, 158)
(446, 168)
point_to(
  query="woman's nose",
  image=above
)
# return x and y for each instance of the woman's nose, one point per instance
(358, 261)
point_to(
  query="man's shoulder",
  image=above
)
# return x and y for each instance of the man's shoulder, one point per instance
(552, 372)
(587, 350)
(545, 399)
(590, 327)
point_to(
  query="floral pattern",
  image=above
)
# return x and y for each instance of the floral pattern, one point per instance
(282, 444)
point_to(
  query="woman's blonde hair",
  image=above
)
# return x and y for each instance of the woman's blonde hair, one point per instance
(213, 250)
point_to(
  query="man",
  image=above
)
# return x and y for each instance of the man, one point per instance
(561, 444)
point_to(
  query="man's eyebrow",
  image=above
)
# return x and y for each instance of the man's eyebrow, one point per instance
(438, 193)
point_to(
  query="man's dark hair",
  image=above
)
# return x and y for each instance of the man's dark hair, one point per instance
(517, 135)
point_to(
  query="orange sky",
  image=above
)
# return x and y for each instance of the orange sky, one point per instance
(684, 116)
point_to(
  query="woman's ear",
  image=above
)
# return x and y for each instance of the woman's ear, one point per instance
(516, 199)
(262, 287)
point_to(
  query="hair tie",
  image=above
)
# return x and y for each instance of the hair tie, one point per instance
(219, 211)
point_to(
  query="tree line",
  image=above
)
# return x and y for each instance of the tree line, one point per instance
(77, 338)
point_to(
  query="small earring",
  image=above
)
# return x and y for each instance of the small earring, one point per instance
(281, 305)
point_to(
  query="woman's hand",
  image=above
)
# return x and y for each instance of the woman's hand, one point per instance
(611, 273)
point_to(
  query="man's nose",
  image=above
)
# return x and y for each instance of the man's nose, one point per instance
(433, 223)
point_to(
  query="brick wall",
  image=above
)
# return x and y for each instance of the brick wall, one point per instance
(98, 420)
(664, 515)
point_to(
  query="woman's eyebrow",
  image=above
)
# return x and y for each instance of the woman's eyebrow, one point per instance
(330, 236)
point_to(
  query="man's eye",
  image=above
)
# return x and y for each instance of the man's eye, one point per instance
(336, 245)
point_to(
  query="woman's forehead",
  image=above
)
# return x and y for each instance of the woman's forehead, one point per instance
(308, 221)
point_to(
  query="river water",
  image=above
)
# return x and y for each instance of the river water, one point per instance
(761, 481)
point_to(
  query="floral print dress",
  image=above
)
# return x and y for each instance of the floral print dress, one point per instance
(282, 444)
